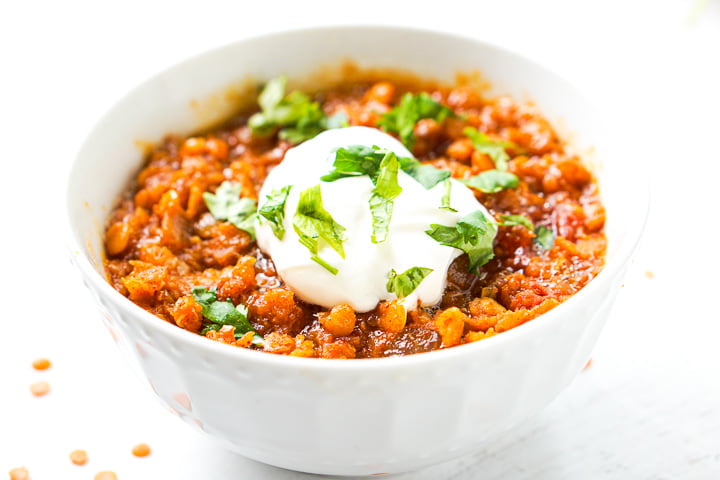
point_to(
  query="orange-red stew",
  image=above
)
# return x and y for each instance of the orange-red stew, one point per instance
(161, 241)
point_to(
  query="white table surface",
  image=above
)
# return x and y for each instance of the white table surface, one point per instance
(647, 408)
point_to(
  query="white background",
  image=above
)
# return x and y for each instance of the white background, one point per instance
(648, 408)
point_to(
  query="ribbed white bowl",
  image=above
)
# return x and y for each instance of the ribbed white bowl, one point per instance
(347, 417)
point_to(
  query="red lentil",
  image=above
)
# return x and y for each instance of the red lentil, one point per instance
(141, 450)
(41, 364)
(105, 475)
(40, 388)
(20, 473)
(79, 457)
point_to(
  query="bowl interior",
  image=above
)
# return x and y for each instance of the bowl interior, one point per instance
(196, 93)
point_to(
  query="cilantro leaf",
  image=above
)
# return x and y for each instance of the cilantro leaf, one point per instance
(405, 283)
(426, 175)
(273, 93)
(382, 167)
(511, 220)
(495, 149)
(412, 108)
(225, 313)
(492, 181)
(297, 117)
(445, 200)
(312, 223)
(473, 234)
(359, 160)
(246, 223)
(203, 296)
(211, 327)
(305, 119)
(544, 237)
(274, 210)
(226, 204)
(337, 120)
(324, 264)
(221, 313)
(386, 190)
(356, 161)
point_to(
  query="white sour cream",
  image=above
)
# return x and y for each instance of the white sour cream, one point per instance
(362, 275)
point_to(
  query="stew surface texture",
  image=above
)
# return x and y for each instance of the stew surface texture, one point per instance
(170, 255)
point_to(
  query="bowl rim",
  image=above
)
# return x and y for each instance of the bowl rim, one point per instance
(610, 270)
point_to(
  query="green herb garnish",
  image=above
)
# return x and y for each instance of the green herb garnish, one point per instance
(337, 120)
(359, 160)
(492, 181)
(544, 237)
(473, 234)
(220, 313)
(382, 167)
(412, 108)
(445, 200)
(405, 283)
(312, 223)
(226, 204)
(356, 161)
(274, 210)
(512, 220)
(383, 195)
(296, 115)
(426, 175)
(324, 264)
(495, 149)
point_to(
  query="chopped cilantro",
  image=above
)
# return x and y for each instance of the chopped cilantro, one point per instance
(382, 167)
(222, 313)
(544, 237)
(324, 264)
(473, 234)
(203, 296)
(511, 220)
(272, 95)
(412, 108)
(274, 210)
(356, 161)
(312, 223)
(426, 175)
(383, 195)
(492, 181)
(445, 200)
(405, 283)
(337, 120)
(297, 117)
(226, 204)
(359, 160)
(495, 149)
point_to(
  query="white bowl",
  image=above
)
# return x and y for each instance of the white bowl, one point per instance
(347, 417)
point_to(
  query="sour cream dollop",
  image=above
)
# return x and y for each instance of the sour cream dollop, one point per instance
(361, 280)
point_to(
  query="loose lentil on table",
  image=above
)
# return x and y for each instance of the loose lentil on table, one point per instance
(161, 241)
(41, 364)
(79, 457)
(40, 389)
(141, 450)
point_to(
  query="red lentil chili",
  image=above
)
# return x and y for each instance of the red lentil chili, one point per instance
(161, 240)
